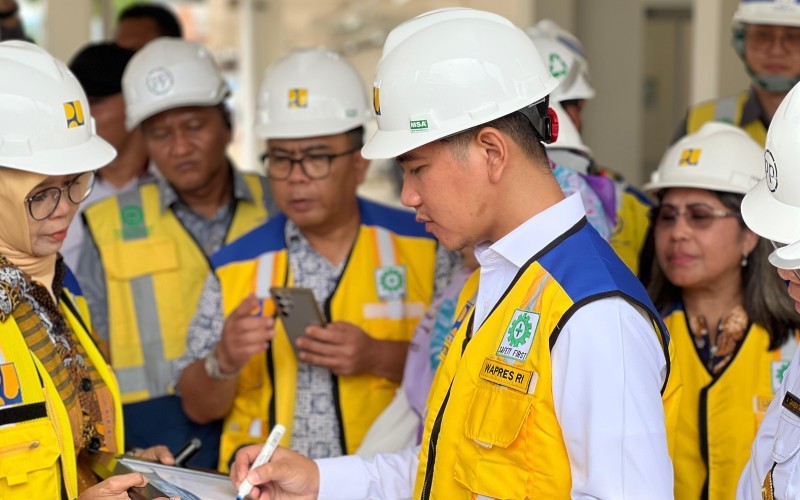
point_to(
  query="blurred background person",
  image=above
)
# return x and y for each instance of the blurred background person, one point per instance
(99, 67)
(142, 22)
(11, 27)
(146, 254)
(766, 36)
(730, 321)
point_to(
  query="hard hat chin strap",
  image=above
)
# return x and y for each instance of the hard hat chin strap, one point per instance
(542, 120)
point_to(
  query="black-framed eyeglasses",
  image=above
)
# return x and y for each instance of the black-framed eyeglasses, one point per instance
(42, 204)
(314, 166)
(761, 38)
(697, 215)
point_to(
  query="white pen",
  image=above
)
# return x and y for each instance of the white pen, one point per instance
(263, 457)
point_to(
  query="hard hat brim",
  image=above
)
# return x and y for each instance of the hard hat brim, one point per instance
(770, 218)
(89, 155)
(787, 257)
(304, 130)
(708, 183)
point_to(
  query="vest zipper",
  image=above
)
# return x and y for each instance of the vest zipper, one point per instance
(437, 426)
(10, 450)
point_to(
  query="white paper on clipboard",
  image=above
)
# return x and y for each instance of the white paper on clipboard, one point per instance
(204, 485)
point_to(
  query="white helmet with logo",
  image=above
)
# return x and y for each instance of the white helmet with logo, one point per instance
(449, 70)
(719, 157)
(310, 93)
(170, 73)
(772, 208)
(782, 12)
(563, 56)
(45, 125)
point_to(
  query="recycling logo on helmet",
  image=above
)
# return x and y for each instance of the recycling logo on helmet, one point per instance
(518, 336)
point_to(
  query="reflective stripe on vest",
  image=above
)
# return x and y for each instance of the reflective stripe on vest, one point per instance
(155, 374)
(726, 109)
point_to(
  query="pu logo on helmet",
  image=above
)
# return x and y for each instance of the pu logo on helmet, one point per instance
(376, 100)
(298, 98)
(771, 171)
(689, 157)
(159, 81)
(73, 111)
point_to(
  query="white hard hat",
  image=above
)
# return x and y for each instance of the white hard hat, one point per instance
(309, 93)
(772, 208)
(568, 135)
(563, 56)
(782, 12)
(45, 125)
(170, 73)
(719, 157)
(449, 70)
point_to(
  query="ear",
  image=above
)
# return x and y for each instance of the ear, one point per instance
(749, 241)
(492, 150)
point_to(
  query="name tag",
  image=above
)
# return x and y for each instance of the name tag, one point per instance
(791, 403)
(506, 375)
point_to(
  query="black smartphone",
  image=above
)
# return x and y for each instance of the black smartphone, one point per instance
(297, 309)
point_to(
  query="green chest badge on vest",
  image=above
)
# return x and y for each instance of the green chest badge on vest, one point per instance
(132, 218)
(519, 334)
(391, 282)
(778, 370)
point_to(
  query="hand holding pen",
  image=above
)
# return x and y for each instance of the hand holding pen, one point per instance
(287, 475)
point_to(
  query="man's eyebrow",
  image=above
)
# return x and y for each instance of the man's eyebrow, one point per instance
(407, 157)
(309, 149)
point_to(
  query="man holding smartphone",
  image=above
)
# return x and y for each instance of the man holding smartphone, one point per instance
(371, 269)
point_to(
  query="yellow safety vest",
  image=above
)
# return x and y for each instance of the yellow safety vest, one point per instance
(389, 243)
(491, 428)
(729, 110)
(154, 273)
(37, 456)
(633, 221)
(719, 417)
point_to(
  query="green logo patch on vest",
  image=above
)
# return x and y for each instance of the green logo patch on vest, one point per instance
(777, 371)
(132, 218)
(518, 336)
(391, 282)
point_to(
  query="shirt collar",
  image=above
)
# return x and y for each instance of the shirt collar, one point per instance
(533, 235)
(241, 191)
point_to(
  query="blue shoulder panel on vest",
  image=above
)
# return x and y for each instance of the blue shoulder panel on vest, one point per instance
(398, 221)
(267, 237)
(584, 264)
(643, 199)
(71, 283)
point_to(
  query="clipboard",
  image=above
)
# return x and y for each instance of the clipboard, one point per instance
(165, 480)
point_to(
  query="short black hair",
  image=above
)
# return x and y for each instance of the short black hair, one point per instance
(516, 125)
(168, 24)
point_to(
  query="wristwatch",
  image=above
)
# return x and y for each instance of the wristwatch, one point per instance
(212, 368)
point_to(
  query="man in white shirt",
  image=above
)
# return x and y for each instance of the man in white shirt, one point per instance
(551, 378)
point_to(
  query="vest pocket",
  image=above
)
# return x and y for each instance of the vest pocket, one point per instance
(491, 457)
(785, 447)
(131, 259)
(28, 460)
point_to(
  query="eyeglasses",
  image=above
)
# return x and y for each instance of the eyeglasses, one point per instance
(314, 166)
(761, 38)
(697, 215)
(42, 204)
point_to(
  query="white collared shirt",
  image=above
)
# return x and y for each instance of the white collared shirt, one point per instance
(608, 369)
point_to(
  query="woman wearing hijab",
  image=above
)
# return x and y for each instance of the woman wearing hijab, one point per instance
(727, 314)
(58, 396)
